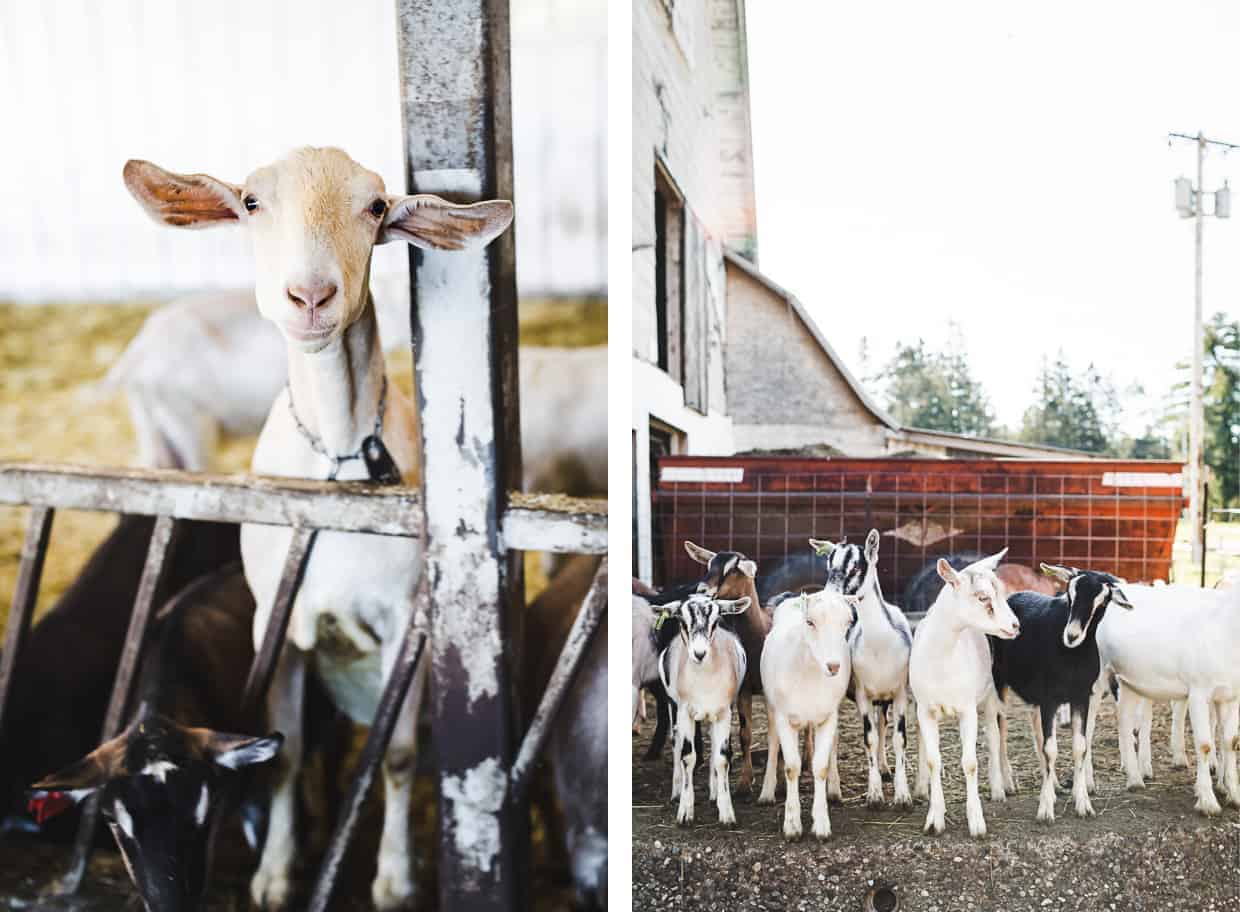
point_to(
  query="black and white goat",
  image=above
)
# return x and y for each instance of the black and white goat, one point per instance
(66, 668)
(161, 781)
(1055, 661)
(703, 670)
(880, 644)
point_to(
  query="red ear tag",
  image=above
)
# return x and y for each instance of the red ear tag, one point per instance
(48, 805)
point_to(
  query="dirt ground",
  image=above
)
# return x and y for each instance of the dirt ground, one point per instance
(49, 358)
(1146, 849)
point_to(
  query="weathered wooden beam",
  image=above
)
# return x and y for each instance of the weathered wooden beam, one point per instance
(122, 690)
(347, 506)
(453, 57)
(25, 594)
(593, 607)
(552, 522)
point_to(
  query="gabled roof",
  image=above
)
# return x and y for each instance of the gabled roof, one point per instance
(741, 263)
(947, 438)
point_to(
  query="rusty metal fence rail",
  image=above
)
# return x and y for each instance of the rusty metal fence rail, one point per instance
(1113, 515)
(556, 524)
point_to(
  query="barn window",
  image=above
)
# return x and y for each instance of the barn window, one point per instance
(669, 296)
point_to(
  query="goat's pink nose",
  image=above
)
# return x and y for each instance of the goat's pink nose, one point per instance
(309, 295)
(833, 668)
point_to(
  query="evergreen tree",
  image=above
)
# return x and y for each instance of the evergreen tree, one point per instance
(1081, 413)
(935, 390)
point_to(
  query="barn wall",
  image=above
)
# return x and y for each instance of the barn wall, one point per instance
(783, 390)
(89, 85)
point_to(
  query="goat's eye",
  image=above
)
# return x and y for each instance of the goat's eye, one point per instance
(377, 208)
(250, 202)
(808, 621)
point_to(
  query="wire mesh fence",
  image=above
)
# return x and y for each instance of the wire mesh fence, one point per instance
(1119, 516)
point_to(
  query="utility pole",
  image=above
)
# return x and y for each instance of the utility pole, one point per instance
(1191, 203)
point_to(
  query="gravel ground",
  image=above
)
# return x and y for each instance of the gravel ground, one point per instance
(1145, 850)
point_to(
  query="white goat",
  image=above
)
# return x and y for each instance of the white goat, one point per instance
(1179, 643)
(702, 671)
(950, 673)
(880, 644)
(805, 673)
(208, 365)
(314, 218)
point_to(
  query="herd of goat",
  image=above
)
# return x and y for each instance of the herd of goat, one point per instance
(708, 646)
(300, 362)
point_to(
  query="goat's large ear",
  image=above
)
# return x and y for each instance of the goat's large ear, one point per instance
(821, 548)
(948, 573)
(871, 546)
(78, 780)
(665, 608)
(432, 223)
(735, 606)
(748, 567)
(1119, 598)
(182, 200)
(235, 751)
(698, 553)
(989, 563)
(1063, 574)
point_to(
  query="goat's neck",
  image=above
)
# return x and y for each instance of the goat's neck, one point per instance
(336, 391)
(870, 603)
(943, 622)
(755, 614)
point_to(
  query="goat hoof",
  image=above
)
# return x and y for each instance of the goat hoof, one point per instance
(1208, 808)
(392, 892)
(766, 799)
(792, 835)
(270, 892)
(903, 803)
(1135, 786)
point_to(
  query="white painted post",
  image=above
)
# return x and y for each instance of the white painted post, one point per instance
(455, 103)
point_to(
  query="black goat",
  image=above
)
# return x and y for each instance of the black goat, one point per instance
(1055, 661)
(66, 668)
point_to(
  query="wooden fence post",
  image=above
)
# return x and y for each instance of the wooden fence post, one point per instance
(457, 131)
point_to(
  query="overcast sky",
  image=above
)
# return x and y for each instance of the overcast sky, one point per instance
(1005, 166)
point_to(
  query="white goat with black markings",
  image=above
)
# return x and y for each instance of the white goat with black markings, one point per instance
(806, 668)
(950, 674)
(1179, 643)
(879, 645)
(702, 671)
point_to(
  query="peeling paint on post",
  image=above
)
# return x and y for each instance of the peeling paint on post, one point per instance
(455, 104)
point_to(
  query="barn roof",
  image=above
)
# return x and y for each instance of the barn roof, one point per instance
(987, 445)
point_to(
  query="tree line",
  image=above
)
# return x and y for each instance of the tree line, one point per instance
(1070, 406)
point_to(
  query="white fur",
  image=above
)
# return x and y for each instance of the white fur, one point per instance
(1179, 643)
(313, 224)
(805, 674)
(950, 675)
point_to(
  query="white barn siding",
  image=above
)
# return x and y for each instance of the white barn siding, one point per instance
(227, 86)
